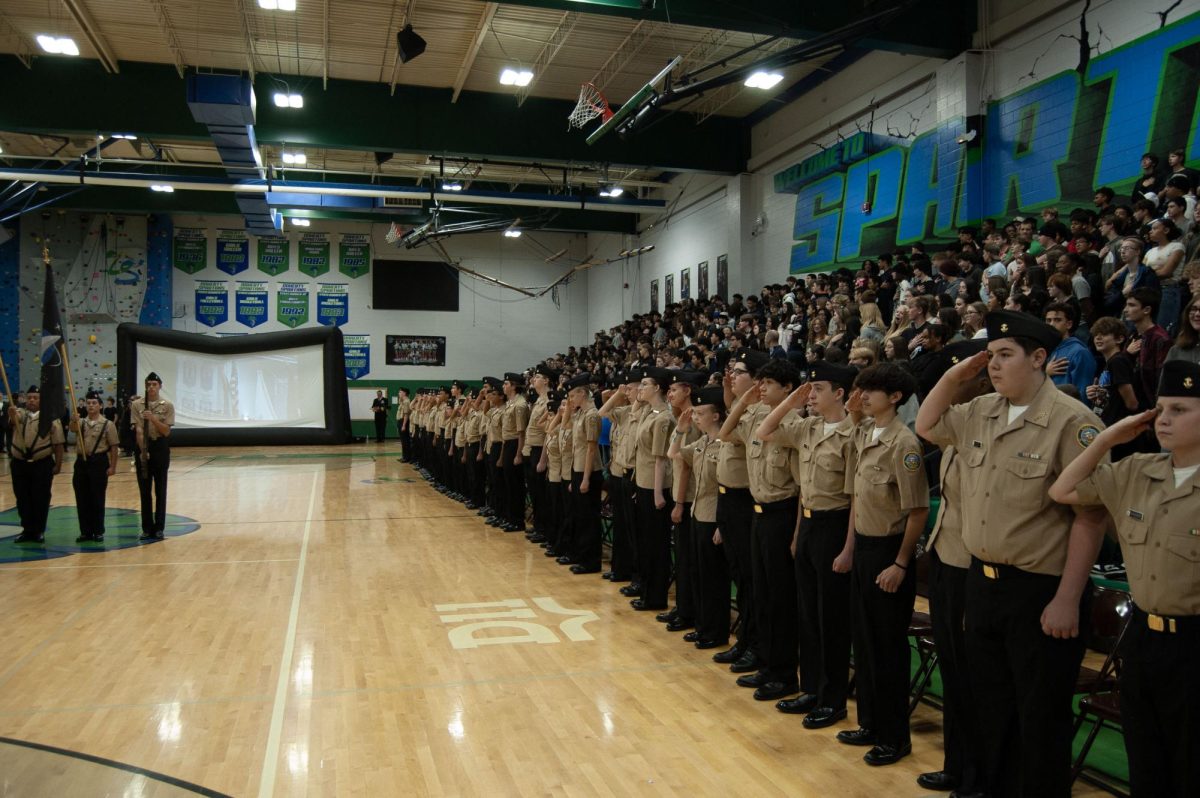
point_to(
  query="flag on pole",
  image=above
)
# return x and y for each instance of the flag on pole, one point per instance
(54, 403)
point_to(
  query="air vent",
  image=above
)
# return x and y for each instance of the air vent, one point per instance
(402, 202)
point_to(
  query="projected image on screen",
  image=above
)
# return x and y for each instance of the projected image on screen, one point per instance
(277, 388)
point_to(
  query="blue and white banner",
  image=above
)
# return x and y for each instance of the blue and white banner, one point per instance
(356, 350)
(212, 302)
(233, 251)
(251, 302)
(333, 304)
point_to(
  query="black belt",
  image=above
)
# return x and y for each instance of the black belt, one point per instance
(1167, 624)
(727, 489)
(809, 513)
(775, 507)
(996, 571)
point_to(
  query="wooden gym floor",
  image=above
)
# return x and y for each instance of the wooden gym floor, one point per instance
(310, 638)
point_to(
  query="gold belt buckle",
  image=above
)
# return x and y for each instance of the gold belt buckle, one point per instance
(807, 513)
(758, 509)
(991, 572)
(1160, 624)
(721, 488)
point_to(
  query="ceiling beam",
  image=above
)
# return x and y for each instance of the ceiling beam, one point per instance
(481, 32)
(633, 43)
(21, 49)
(83, 19)
(714, 101)
(168, 30)
(540, 64)
(244, 15)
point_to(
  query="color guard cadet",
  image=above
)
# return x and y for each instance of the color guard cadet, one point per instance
(1155, 501)
(152, 418)
(542, 380)
(36, 457)
(652, 474)
(823, 545)
(1029, 579)
(514, 421)
(587, 480)
(95, 463)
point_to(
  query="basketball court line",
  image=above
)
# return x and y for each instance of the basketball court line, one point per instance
(237, 699)
(266, 784)
(20, 567)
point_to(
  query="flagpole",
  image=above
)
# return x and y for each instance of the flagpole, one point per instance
(62, 351)
(4, 376)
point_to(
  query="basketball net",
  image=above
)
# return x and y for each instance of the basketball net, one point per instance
(591, 104)
(394, 233)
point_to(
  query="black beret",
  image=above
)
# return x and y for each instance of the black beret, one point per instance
(547, 372)
(712, 395)
(1179, 378)
(635, 374)
(753, 359)
(723, 357)
(493, 383)
(947, 358)
(1013, 324)
(92, 395)
(34, 389)
(582, 380)
(615, 380)
(444, 389)
(686, 377)
(514, 378)
(659, 375)
(152, 377)
(824, 371)
(459, 384)
(555, 398)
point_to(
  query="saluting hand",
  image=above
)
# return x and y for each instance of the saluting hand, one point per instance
(854, 404)
(685, 420)
(799, 397)
(1128, 428)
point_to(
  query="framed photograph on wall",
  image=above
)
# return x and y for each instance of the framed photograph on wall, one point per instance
(702, 281)
(723, 277)
(670, 288)
(685, 284)
(654, 296)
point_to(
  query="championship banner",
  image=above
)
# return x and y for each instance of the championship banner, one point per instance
(212, 302)
(233, 251)
(190, 253)
(314, 254)
(354, 254)
(333, 304)
(356, 350)
(273, 255)
(415, 350)
(251, 303)
(291, 304)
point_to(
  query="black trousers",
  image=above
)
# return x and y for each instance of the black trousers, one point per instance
(621, 551)
(1023, 680)
(496, 491)
(535, 483)
(90, 480)
(654, 546)
(380, 427)
(514, 484)
(775, 590)
(824, 603)
(880, 629)
(153, 474)
(1160, 708)
(712, 584)
(564, 534)
(472, 471)
(31, 484)
(735, 511)
(960, 726)
(405, 442)
(625, 552)
(685, 566)
(553, 513)
(587, 537)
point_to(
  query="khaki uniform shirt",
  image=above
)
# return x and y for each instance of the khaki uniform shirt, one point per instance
(403, 409)
(888, 479)
(1008, 516)
(769, 465)
(625, 420)
(534, 434)
(565, 453)
(494, 425)
(946, 537)
(821, 460)
(731, 464)
(516, 418)
(1159, 528)
(702, 456)
(163, 410)
(460, 432)
(616, 427)
(553, 458)
(688, 491)
(653, 441)
(585, 432)
(26, 444)
(474, 425)
(98, 435)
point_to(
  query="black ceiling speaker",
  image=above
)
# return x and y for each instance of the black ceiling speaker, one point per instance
(409, 44)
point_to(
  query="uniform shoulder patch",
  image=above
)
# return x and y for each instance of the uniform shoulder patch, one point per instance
(1086, 434)
(912, 461)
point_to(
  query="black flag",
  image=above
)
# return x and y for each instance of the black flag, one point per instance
(54, 403)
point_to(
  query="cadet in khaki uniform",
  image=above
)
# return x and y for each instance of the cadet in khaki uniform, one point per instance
(459, 458)
(623, 410)
(652, 474)
(889, 508)
(683, 489)
(1028, 583)
(152, 417)
(494, 511)
(37, 455)
(95, 462)
(535, 438)
(774, 488)
(1155, 501)
(474, 462)
(560, 428)
(586, 478)
(700, 458)
(403, 411)
(824, 541)
(549, 465)
(515, 419)
(616, 485)
(735, 517)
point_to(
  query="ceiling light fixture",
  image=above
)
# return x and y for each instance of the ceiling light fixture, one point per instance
(277, 5)
(289, 100)
(452, 186)
(58, 45)
(126, 136)
(162, 188)
(512, 233)
(299, 222)
(763, 80)
(297, 158)
(611, 191)
(515, 77)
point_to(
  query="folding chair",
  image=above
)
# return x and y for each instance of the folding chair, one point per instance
(1101, 707)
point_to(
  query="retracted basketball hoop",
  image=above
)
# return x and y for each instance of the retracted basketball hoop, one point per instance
(591, 105)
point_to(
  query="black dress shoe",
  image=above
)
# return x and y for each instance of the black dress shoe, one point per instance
(565, 560)
(678, 624)
(619, 578)
(800, 705)
(146, 536)
(859, 736)
(667, 617)
(641, 606)
(606, 575)
(756, 679)
(691, 637)
(536, 539)
(702, 644)
(821, 717)
(886, 754)
(748, 662)
(938, 780)
(773, 690)
(729, 655)
(632, 590)
(583, 569)
(83, 538)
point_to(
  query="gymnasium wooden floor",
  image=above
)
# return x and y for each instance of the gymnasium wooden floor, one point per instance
(315, 637)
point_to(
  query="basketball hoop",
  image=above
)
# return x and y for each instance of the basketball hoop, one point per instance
(394, 233)
(591, 105)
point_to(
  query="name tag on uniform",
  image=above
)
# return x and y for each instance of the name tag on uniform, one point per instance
(756, 442)
(1029, 455)
(1134, 514)
(976, 444)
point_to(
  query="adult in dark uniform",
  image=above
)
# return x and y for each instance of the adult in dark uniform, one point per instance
(380, 408)
(95, 462)
(1028, 584)
(1154, 499)
(37, 458)
(152, 418)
